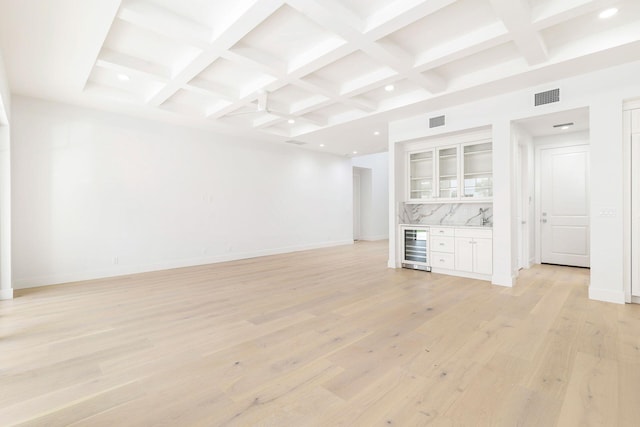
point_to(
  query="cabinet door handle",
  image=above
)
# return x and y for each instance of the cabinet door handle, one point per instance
(441, 244)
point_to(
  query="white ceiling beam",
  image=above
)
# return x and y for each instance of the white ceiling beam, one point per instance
(463, 46)
(164, 22)
(327, 49)
(336, 97)
(360, 104)
(367, 82)
(315, 119)
(272, 119)
(121, 62)
(552, 13)
(516, 16)
(212, 89)
(330, 15)
(327, 15)
(321, 85)
(267, 120)
(215, 114)
(390, 53)
(429, 80)
(240, 27)
(399, 14)
(268, 63)
(310, 104)
(302, 69)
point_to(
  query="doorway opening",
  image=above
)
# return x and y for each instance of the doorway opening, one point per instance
(553, 188)
(362, 201)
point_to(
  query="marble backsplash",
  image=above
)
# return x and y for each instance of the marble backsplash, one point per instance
(459, 214)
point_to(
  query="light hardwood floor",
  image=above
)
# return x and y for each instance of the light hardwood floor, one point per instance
(319, 338)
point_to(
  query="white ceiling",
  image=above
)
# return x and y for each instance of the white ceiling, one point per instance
(322, 63)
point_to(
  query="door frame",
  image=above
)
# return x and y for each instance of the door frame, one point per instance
(538, 185)
(357, 205)
(627, 218)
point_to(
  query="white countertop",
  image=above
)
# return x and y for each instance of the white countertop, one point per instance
(489, 227)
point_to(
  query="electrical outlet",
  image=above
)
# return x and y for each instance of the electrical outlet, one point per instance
(115, 260)
(607, 212)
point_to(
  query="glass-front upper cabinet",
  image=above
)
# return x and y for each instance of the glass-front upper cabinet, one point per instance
(448, 172)
(477, 170)
(421, 173)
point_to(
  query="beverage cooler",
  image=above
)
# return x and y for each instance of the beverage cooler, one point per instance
(415, 248)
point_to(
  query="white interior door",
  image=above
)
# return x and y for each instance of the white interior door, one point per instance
(564, 214)
(635, 215)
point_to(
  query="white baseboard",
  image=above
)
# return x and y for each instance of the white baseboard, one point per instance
(6, 294)
(375, 238)
(606, 295)
(54, 279)
(466, 274)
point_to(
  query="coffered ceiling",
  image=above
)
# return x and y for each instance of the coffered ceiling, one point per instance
(328, 72)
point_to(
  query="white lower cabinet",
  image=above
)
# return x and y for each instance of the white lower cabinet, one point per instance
(442, 248)
(464, 251)
(474, 251)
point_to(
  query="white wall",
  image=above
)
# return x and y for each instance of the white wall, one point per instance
(5, 95)
(6, 286)
(375, 210)
(98, 194)
(603, 92)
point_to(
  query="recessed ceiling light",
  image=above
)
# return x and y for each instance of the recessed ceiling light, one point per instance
(291, 121)
(608, 13)
(321, 145)
(123, 77)
(389, 88)
(355, 152)
(376, 133)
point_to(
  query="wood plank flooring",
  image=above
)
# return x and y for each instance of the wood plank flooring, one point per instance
(327, 337)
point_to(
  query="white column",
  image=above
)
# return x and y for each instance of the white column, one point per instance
(392, 262)
(504, 214)
(6, 289)
(607, 200)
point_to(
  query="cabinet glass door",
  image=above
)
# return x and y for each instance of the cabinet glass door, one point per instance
(448, 172)
(477, 170)
(421, 175)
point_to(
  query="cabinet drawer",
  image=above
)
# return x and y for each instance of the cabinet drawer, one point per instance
(442, 244)
(442, 260)
(441, 231)
(474, 232)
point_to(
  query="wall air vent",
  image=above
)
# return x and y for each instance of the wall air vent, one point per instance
(435, 122)
(294, 142)
(547, 97)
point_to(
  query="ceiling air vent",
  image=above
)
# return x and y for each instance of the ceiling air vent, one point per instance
(434, 122)
(547, 97)
(294, 142)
